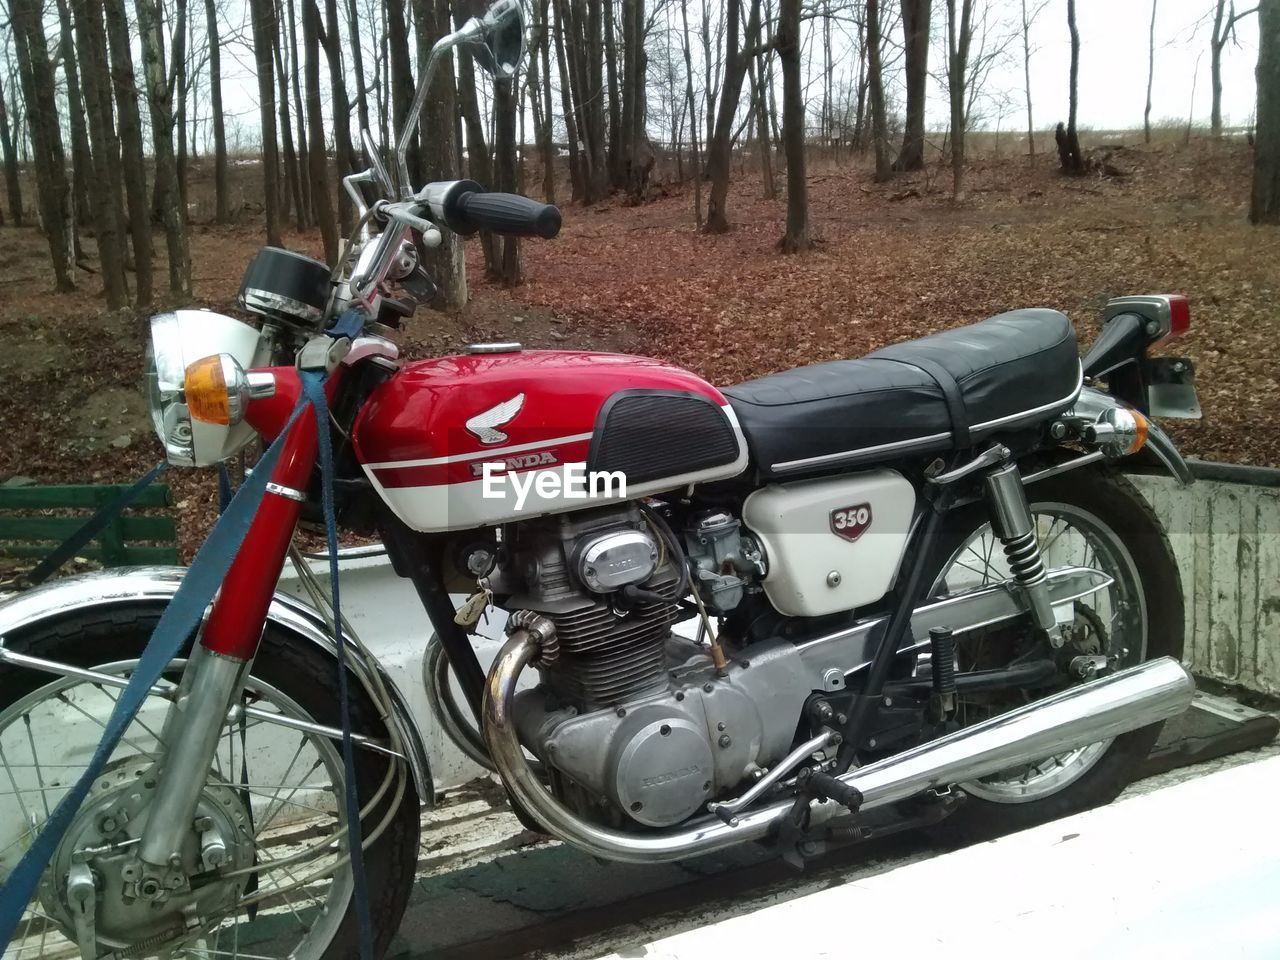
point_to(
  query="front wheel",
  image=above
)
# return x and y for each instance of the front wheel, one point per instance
(267, 859)
(1089, 518)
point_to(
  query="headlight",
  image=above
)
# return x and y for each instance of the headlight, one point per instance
(196, 384)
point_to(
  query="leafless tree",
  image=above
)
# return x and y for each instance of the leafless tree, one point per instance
(959, 40)
(124, 82)
(38, 90)
(1151, 74)
(916, 18)
(263, 15)
(1070, 157)
(1225, 19)
(12, 186)
(737, 56)
(796, 237)
(1029, 18)
(1264, 206)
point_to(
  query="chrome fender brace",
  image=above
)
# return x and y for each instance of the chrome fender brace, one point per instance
(155, 586)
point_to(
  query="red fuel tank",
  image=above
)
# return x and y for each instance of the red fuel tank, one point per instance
(458, 442)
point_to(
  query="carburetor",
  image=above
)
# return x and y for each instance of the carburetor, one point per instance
(723, 558)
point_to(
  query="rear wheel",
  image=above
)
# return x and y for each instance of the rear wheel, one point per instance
(1088, 518)
(268, 853)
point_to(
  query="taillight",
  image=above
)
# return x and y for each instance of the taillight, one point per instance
(1179, 316)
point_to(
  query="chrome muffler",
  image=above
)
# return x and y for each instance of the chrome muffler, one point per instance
(1074, 718)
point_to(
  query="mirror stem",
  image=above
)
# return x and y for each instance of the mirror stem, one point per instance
(468, 31)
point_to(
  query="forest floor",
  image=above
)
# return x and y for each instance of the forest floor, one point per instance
(893, 261)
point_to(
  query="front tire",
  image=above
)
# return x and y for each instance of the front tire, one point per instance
(303, 679)
(1116, 520)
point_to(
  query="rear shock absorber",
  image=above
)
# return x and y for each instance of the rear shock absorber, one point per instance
(1012, 522)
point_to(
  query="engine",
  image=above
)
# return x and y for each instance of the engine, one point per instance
(636, 723)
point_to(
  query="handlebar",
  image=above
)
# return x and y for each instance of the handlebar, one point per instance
(507, 213)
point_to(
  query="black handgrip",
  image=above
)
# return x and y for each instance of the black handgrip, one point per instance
(508, 213)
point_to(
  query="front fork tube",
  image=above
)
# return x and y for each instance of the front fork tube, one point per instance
(215, 673)
(1012, 523)
(189, 739)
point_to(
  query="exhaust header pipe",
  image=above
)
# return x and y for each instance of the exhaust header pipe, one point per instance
(1074, 718)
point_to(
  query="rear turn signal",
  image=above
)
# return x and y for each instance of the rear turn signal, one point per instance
(1119, 431)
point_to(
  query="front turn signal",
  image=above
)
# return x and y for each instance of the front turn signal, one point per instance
(208, 397)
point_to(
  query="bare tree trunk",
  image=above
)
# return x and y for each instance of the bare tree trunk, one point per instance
(12, 187)
(479, 166)
(401, 87)
(108, 203)
(344, 150)
(134, 167)
(1216, 44)
(440, 152)
(875, 84)
(264, 29)
(307, 212)
(294, 177)
(318, 162)
(957, 65)
(160, 103)
(693, 117)
(796, 237)
(619, 94)
(1026, 79)
(221, 189)
(357, 64)
(760, 107)
(177, 85)
(1069, 151)
(504, 133)
(719, 149)
(1264, 206)
(1151, 74)
(577, 180)
(38, 89)
(81, 158)
(543, 49)
(638, 158)
(915, 29)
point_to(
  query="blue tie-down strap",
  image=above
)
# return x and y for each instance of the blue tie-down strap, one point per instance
(313, 393)
(178, 622)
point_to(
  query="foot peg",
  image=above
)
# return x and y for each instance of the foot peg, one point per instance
(942, 666)
(822, 786)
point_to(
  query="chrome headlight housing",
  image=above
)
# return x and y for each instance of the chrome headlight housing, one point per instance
(178, 340)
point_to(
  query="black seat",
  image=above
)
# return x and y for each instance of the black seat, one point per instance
(914, 398)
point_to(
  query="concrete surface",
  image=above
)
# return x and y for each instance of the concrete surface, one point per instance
(1226, 537)
(489, 890)
(1145, 878)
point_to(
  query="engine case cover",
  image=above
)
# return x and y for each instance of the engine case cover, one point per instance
(833, 544)
(662, 757)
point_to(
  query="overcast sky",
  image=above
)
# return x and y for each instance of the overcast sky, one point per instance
(1113, 67)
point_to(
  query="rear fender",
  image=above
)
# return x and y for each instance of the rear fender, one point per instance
(156, 585)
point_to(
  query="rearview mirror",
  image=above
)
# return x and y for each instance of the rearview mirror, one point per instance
(499, 44)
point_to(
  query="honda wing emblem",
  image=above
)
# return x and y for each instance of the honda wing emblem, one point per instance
(484, 425)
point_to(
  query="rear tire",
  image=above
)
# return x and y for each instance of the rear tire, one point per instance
(1116, 504)
(307, 676)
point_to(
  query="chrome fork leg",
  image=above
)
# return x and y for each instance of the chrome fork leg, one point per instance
(192, 729)
(1012, 522)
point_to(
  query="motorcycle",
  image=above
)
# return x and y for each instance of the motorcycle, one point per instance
(910, 590)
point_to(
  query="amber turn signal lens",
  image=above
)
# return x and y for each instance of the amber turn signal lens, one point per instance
(206, 391)
(1141, 428)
